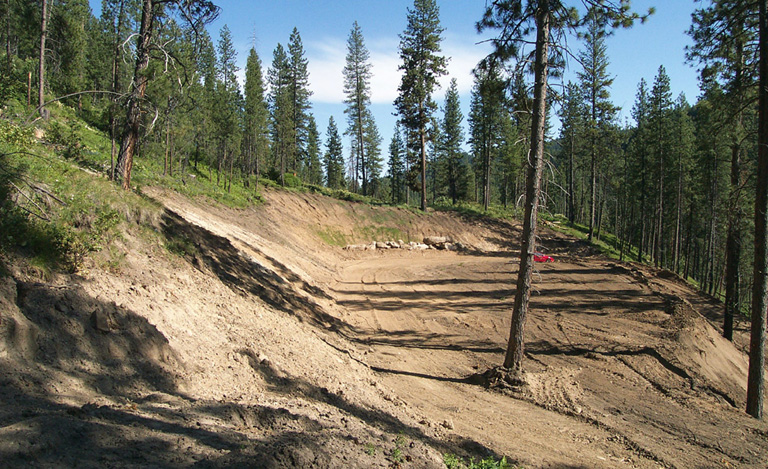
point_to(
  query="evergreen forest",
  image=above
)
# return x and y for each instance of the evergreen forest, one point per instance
(675, 186)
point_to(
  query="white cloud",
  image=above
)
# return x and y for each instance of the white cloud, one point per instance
(326, 62)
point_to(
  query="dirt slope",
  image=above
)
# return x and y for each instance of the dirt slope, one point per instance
(267, 346)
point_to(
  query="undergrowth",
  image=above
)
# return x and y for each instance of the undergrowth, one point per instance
(54, 210)
(454, 462)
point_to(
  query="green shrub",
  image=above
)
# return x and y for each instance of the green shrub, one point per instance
(454, 462)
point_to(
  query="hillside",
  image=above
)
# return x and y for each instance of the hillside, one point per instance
(250, 337)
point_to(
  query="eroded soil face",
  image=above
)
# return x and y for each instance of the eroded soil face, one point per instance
(264, 345)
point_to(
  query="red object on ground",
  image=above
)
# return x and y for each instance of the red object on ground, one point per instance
(539, 257)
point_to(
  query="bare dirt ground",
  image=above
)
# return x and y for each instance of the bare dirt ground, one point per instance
(264, 346)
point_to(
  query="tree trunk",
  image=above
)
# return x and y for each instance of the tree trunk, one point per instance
(8, 57)
(659, 243)
(678, 219)
(733, 248)
(487, 176)
(755, 382)
(167, 142)
(641, 246)
(733, 241)
(514, 356)
(571, 175)
(115, 89)
(139, 87)
(593, 189)
(361, 144)
(41, 69)
(423, 170)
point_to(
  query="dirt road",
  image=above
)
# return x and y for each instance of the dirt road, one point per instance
(262, 342)
(609, 380)
(622, 366)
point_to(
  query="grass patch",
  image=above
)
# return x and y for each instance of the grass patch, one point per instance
(454, 462)
(383, 233)
(332, 237)
(473, 210)
(53, 213)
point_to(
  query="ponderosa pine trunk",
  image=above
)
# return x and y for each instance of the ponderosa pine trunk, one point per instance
(487, 175)
(361, 146)
(514, 356)
(755, 381)
(115, 90)
(124, 164)
(41, 65)
(733, 240)
(571, 177)
(423, 170)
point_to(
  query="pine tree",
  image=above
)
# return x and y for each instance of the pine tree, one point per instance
(571, 131)
(372, 149)
(67, 33)
(518, 20)
(755, 381)
(314, 168)
(203, 94)
(228, 103)
(600, 112)
(397, 166)
(281, 111)
(334, 158)
(298, 88)
(256, 116)
(640, 147)
(486, 108)
(660, 101)
(722, 33)
(357, 77)
(422, 66)
(118, 21)
(44, 15)
(452, 139)
(196, 13)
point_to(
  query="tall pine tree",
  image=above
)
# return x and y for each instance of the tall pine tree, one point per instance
(357, 88)
(422, 66)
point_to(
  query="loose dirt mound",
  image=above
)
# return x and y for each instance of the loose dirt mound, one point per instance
(267, 344)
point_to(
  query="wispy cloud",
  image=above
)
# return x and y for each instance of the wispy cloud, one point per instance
(327, 57)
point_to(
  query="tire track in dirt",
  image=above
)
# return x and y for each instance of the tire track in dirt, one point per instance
(599, 334)
(582, 313)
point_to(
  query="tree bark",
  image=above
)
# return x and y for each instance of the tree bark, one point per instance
(678, 218)
(361, 143)
(116, 90)
(124, 164)
(41, 65)
(514, 356)
(487, 175)
(755, 381)
(423, 170)
(571, 176)
(733, 240)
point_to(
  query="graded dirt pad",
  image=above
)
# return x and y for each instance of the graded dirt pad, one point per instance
(265, 344)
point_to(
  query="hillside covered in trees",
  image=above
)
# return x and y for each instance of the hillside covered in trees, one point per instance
(118, 134)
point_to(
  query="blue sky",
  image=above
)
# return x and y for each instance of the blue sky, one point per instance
(324, 26)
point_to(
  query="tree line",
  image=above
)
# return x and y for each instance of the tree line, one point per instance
(673, 186)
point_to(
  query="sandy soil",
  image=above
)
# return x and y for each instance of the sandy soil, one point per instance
(265, 346)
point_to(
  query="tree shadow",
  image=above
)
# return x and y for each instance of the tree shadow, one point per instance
(217, 255)
(282, 383)
(59, 342)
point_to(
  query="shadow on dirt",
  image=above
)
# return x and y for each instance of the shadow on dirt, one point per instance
(60, 347)
(280, 382)
(215, 254)
(427, 341)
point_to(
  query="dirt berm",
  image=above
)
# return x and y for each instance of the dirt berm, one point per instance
(256, 340)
